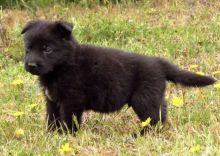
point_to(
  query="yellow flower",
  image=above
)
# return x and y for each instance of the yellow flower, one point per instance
(19, 133)
(66, 149)
(33, 105)
(200, 73)
(216, 72)
(177, 101)
(17, 82)
(18, 114)
(193, 66)
(217, 85)
(146, 122)
(195, 148)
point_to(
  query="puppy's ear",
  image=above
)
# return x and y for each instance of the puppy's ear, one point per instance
(28, 26)
(64, 29)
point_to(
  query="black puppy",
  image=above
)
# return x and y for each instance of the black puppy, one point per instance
(77, 77)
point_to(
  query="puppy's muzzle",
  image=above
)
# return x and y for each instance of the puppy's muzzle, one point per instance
(33, 67)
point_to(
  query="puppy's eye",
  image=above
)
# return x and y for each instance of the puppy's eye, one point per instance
(47, 49)
(28, 48)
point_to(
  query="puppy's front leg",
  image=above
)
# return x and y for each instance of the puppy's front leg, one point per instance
(67, 121)
(53, 115)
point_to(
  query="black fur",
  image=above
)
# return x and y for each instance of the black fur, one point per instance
(78, 77)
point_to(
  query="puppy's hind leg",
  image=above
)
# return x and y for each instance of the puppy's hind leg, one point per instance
(147, 104)
(163, 111)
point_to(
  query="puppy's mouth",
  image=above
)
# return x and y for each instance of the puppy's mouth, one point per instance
(33, 71)
(37, 71)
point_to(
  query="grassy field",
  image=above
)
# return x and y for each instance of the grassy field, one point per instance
(187, 34)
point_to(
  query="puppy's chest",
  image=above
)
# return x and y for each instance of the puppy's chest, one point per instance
(48, 94)
(51, 93)
(59, 92)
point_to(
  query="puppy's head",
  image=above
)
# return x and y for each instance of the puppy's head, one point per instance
(47, 45)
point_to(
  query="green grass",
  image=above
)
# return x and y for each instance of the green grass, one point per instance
(32, 4)
(183, 34)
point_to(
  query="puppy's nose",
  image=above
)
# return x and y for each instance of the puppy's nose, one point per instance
(32, 65)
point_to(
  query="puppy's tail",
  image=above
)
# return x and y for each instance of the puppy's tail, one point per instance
(186, 78)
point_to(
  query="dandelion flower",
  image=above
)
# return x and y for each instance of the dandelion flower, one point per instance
(17, 82)
(33, 105)
(18, 114)
(19, 133)
(200, 73)
(193, 66)
(66, 149)
(195, 148)
(146, 122)
(217, 85)
(177, 101)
